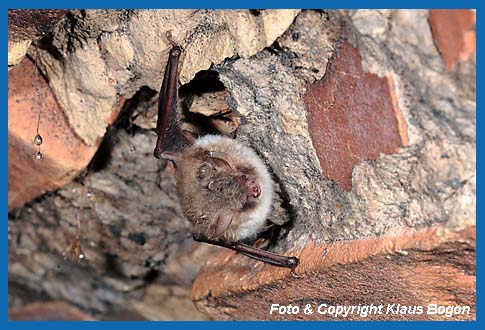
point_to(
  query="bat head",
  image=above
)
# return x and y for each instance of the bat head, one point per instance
(224, 188)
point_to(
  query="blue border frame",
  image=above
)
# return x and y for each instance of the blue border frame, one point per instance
(180, 4)
(5, 324)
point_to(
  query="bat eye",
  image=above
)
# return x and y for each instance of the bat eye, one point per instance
(244, 176)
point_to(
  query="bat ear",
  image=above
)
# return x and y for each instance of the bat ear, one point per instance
(223, 222)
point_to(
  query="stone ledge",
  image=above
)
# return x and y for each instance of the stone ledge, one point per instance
(409, 267)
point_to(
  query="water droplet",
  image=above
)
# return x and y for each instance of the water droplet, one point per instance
(39, 155)
(38, 140)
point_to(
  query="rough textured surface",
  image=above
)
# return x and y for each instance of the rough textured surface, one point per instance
(24, 26)
(419, 200)
(167, 302)
(17, 51)
(351, 116)
(50, 311)
(454, 34)
(132, 232)
(414, 188)
(410, 268)
(64, 153)
(114, 53)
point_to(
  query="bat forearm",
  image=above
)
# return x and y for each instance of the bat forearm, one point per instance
(252, 252)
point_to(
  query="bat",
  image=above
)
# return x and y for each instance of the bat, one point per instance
(224, 188)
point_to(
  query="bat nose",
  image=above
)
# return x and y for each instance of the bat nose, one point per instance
(255, 188)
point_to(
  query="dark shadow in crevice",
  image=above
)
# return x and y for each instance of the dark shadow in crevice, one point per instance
(204, 82)
(124, 120)
(112, 266)
(46, 44)
(151, 276)
(279, 233)
(102, 157)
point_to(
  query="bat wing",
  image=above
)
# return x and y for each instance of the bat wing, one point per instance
(171, 140)
(224, 221)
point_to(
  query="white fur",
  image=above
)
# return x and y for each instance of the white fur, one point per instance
(243, 154)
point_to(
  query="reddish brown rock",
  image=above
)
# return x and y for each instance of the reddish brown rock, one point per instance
(48, 311)
(29, 24)
(454, 34)
(24, 26)
(352, 116)
(411, 268)
(64, 153)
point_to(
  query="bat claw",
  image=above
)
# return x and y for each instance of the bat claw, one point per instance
(293, 262)
(168, 34)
